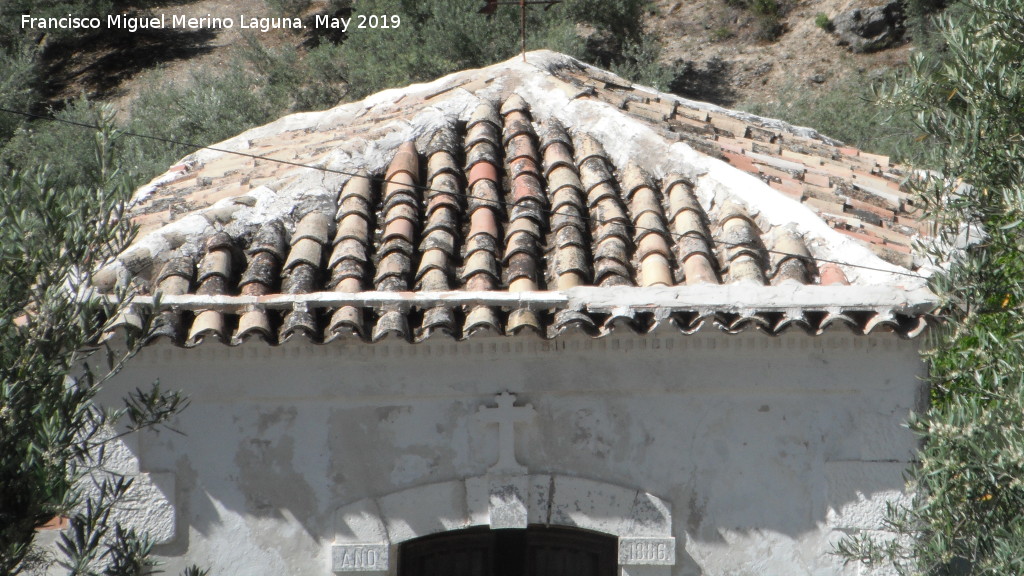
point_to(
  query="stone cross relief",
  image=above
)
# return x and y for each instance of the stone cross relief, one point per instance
(506, 414)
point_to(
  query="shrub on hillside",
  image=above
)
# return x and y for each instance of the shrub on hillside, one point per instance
(208, 108)
(293, 82)
(437, 38)
(847, 111)
(17, 73)
(204, 108)
(66, 148)
(821, 20)
(640, 63)
(767, 16)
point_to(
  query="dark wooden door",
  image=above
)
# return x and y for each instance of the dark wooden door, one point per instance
(536, 551)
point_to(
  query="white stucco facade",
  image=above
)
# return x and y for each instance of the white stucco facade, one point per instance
(709, 454)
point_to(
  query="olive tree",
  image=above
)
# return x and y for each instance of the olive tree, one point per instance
(966, 517)
(53, 432)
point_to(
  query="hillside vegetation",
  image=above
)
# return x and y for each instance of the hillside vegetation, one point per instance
(772, 57)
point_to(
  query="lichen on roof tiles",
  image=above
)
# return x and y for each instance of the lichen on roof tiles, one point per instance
(463, 189)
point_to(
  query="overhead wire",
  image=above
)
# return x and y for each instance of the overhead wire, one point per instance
(423, 188)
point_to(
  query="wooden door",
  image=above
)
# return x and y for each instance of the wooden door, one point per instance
(536, 551)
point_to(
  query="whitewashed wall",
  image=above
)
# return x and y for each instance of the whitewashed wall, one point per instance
(766, 448)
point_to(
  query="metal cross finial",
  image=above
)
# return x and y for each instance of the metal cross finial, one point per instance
(490, 6)
(506, 415)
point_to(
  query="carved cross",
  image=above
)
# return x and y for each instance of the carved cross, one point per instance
(506, 415)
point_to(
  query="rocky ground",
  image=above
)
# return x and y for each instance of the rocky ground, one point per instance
(720, 45)
(737, 67)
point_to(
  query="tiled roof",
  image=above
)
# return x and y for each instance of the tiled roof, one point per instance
(524, 198)
(859, 194)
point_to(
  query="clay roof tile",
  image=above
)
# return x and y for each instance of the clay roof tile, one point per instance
(514, 103)
(485, 112)
(304, 251)
(406, 160)
(314, 226)
(270, 238)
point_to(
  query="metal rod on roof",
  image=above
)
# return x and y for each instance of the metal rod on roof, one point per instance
(490, 6)
(522, 25)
